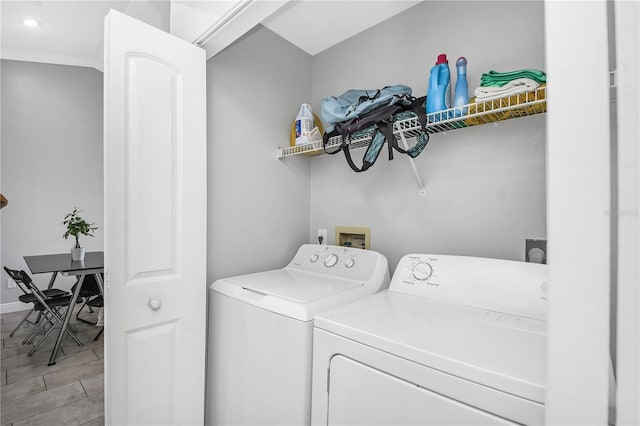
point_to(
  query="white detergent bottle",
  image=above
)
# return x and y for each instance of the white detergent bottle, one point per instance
(304, 124)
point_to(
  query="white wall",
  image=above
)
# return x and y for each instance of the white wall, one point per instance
(258, 206)
(486, 185)
(578, 197)
(51, 161)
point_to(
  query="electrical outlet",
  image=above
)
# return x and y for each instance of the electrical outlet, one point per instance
(11, 283)
(322, 236)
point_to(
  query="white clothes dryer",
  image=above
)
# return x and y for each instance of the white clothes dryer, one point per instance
(261, 332)
(453, 341)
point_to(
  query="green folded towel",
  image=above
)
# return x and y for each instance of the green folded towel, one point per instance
(499, 79)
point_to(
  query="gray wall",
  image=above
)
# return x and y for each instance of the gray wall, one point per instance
(258, 206)
(485, 185)
(51, 160)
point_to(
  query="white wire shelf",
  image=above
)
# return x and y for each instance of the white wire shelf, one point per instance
(473, 114)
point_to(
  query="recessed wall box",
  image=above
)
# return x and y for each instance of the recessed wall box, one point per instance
(535, 251)
(353, 237)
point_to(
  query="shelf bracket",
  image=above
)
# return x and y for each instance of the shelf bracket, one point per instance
(423, 190)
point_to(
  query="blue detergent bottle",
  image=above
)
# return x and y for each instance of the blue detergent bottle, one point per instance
(461, 95)
(439, 92)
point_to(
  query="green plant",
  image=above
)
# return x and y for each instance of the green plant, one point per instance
(77, 226)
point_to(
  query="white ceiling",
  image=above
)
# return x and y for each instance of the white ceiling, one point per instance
(315, 25)
(72, 31)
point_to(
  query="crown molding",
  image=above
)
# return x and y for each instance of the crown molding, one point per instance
(49, 58)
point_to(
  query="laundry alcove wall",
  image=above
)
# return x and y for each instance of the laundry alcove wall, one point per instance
(485, 186)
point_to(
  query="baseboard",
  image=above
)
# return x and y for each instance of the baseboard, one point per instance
(6, 308)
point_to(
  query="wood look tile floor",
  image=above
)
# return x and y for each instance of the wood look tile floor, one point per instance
(68, 393)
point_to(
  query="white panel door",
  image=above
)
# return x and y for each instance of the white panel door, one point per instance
(627, 17)
(155, 225)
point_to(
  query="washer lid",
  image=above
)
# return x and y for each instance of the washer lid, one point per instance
(296, 294)
(296, 286)
(502, 351)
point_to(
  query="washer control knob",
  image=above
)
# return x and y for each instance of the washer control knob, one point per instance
(350, 262)
(331, 260)
(313, 258)
(422, 271)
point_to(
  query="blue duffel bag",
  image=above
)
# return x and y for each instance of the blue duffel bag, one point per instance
(378, 124)
(354, 104)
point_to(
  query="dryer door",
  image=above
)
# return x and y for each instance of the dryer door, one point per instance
(359, 394)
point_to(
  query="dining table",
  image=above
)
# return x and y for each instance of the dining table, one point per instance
(62, 263)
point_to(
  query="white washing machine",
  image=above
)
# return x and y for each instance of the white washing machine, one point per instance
(261, 332)
(453, 341)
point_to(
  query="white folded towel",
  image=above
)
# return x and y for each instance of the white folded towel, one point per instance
(519, 85)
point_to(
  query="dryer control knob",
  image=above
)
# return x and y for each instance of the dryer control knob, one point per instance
(422, 271)
(313, 258)
(350, 262)
(331, 260)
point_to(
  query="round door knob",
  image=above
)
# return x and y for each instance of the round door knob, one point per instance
(155, 304)
(422, 271)
(331, 260)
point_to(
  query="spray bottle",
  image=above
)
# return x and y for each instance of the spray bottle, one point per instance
(461, 96)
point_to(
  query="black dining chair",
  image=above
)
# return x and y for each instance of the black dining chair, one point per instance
(90, 292)
(51, 309)
(97, 302)
(30, 298)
